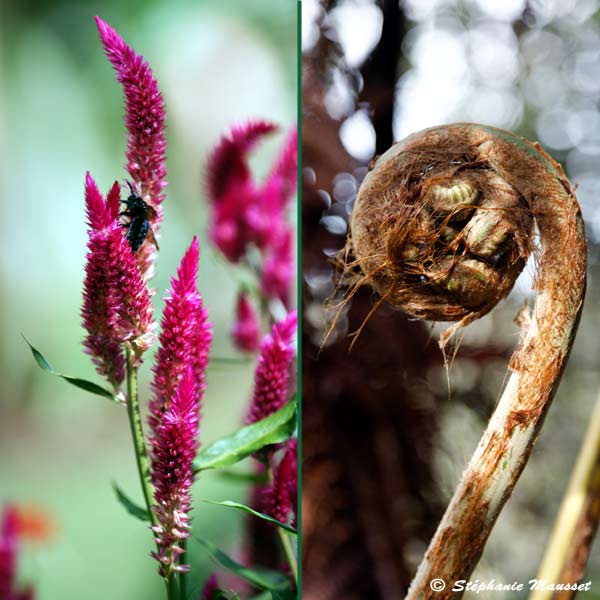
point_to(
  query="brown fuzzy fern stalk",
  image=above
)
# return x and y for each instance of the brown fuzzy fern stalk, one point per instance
(442, 226)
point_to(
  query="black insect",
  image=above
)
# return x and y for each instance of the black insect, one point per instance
(139, 214)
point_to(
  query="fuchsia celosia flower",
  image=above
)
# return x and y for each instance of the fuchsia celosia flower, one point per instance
(280, 186)
(9, 550)
(281, 497)
(244, 212)
(246, 328)
(185, 336)
(273, 369)
(145, 122)
(178, 386)
(278, 267)
(266, 215)
(210, 587)
(174, 446)
(117, 305)
(232, 190)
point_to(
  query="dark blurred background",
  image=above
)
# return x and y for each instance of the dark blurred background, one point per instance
(60, 115)
(386, 438)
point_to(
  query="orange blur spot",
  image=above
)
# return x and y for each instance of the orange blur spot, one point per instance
(34, 523)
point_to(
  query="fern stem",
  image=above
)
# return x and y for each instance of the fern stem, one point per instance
(547, 334)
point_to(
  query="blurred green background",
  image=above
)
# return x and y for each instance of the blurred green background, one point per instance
(60, 115)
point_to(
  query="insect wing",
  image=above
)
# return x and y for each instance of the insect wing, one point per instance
(152, 237)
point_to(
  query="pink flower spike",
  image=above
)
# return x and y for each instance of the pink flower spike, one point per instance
(273, 370)
(117, 305)
(210, 587)
(283, 179)
(246, 329)
(145, 122)
(266, 217)
(237, 219)
(281, 498)
(227, 164)
(98, 214)
(174, 447)
(113, 201)
(136, 324)
(279, 267)
(185, 337)
(8, 551)
(100, 301)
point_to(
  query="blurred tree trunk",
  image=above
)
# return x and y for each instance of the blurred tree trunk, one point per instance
(379, 73)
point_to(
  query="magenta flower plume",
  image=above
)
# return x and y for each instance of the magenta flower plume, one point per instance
(278, 268)
(117, 305)
(281, 498)
(145, 122)
(185, 337)
(210, 587)
(281, 184)
(246, 329)
(228, 163)
(273, 370)
(174, 446)
(237, 215)
(267, 215)
(9, 553)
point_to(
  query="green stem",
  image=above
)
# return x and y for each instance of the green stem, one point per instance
(137, 434)
(286, 545)
(141, 456)
(183, 576)
(568, 549)
(172, 590)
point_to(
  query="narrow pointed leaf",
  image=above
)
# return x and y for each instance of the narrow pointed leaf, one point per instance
(89, 386)
(260, 515)
(130, 506)
(229, 450)
(84, 384)
(39, 358)
(261, 578)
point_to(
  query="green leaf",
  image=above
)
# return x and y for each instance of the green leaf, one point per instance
(89, 386)
(224, 595)
(243, 477)
(229, 450)
(283, 595)
(130, 506)
(84, 384)
(39, 357)
(261, 578)
(247, 509)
